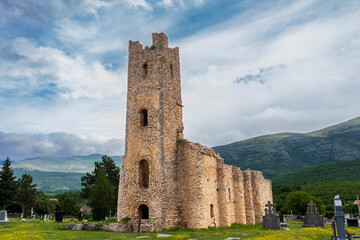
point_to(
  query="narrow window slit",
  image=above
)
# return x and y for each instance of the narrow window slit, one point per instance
(143, 117)
(144, 173)
(145, 69)
(211, 211)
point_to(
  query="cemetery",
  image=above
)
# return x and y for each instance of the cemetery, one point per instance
(51, 230)
(273, 226)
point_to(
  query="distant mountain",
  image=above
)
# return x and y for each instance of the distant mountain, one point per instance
(53, 181)
(75, 164)
(326, 172)
(58, 174)
(279, 154)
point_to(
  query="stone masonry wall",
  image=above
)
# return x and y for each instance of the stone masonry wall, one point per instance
(183, 184)
(249, 204)
(236, 196)
(154, 86)
(239, 200)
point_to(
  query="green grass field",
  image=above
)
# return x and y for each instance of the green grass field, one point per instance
(51, 230)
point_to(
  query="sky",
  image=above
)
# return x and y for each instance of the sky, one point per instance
(248, 68)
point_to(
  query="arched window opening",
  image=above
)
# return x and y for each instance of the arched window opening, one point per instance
(143, 211)
(229, 194)
(171, 69)
(143, 117)
(144, 173)
(145, 69)
(211, 211)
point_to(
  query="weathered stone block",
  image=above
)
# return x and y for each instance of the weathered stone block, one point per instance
(117, 227)
(78, 227)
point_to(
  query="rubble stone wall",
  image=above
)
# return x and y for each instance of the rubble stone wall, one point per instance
(185, 184)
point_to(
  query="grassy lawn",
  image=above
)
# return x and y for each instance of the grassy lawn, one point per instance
(51, 230)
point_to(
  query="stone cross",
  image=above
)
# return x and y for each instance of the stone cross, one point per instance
(269, 208)
(312, 217)
(271, 219)
(311, 206)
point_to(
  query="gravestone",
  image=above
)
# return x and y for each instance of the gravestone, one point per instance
(271, 219)
(3, 216)
(312, 217)
(339, 219)
(282, 220)
(59, 216)
(80, 216)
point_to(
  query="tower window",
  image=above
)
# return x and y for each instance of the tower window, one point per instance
(171, 69)
(145, 69)
(229, 194)
(144, 173)
(143, 117)
(211, 210)
(144, 211)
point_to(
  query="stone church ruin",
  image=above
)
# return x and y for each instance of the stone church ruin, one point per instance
(165, 180)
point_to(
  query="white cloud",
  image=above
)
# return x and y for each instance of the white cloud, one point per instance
(139, 3)
(169, 4)
(93, 6)
(84, 58)
(45, 90)
(320, 52)
(73, 76)
(21, 146)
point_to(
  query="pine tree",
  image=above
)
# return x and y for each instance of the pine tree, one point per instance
(101, 196)
(112, 173)
(27, 192)
(8, 185)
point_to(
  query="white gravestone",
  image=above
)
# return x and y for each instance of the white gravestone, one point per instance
(3, 216)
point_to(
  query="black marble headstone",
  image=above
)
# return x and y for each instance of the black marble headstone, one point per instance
(59, 216)
(80, 216)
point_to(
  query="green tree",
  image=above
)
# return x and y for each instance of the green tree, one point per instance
(329, 211)
(27, 193)
(45, 206)
(112, 173)
(350, 208)
(101, 196)
(8, 185)
(68, 204)
(297, 202)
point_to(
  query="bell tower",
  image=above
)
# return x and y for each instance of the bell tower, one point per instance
(148, 177)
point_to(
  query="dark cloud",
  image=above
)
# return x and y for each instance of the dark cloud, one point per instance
(258, 77)
(21, 146)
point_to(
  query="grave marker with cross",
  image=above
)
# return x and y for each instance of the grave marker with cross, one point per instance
(271, 219)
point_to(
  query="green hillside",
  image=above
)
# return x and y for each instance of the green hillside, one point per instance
(279, 154)
(53, 181)
(58, 174)
(75, 164)
(327, 172)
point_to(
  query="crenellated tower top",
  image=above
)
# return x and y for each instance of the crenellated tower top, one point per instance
(159, 40)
